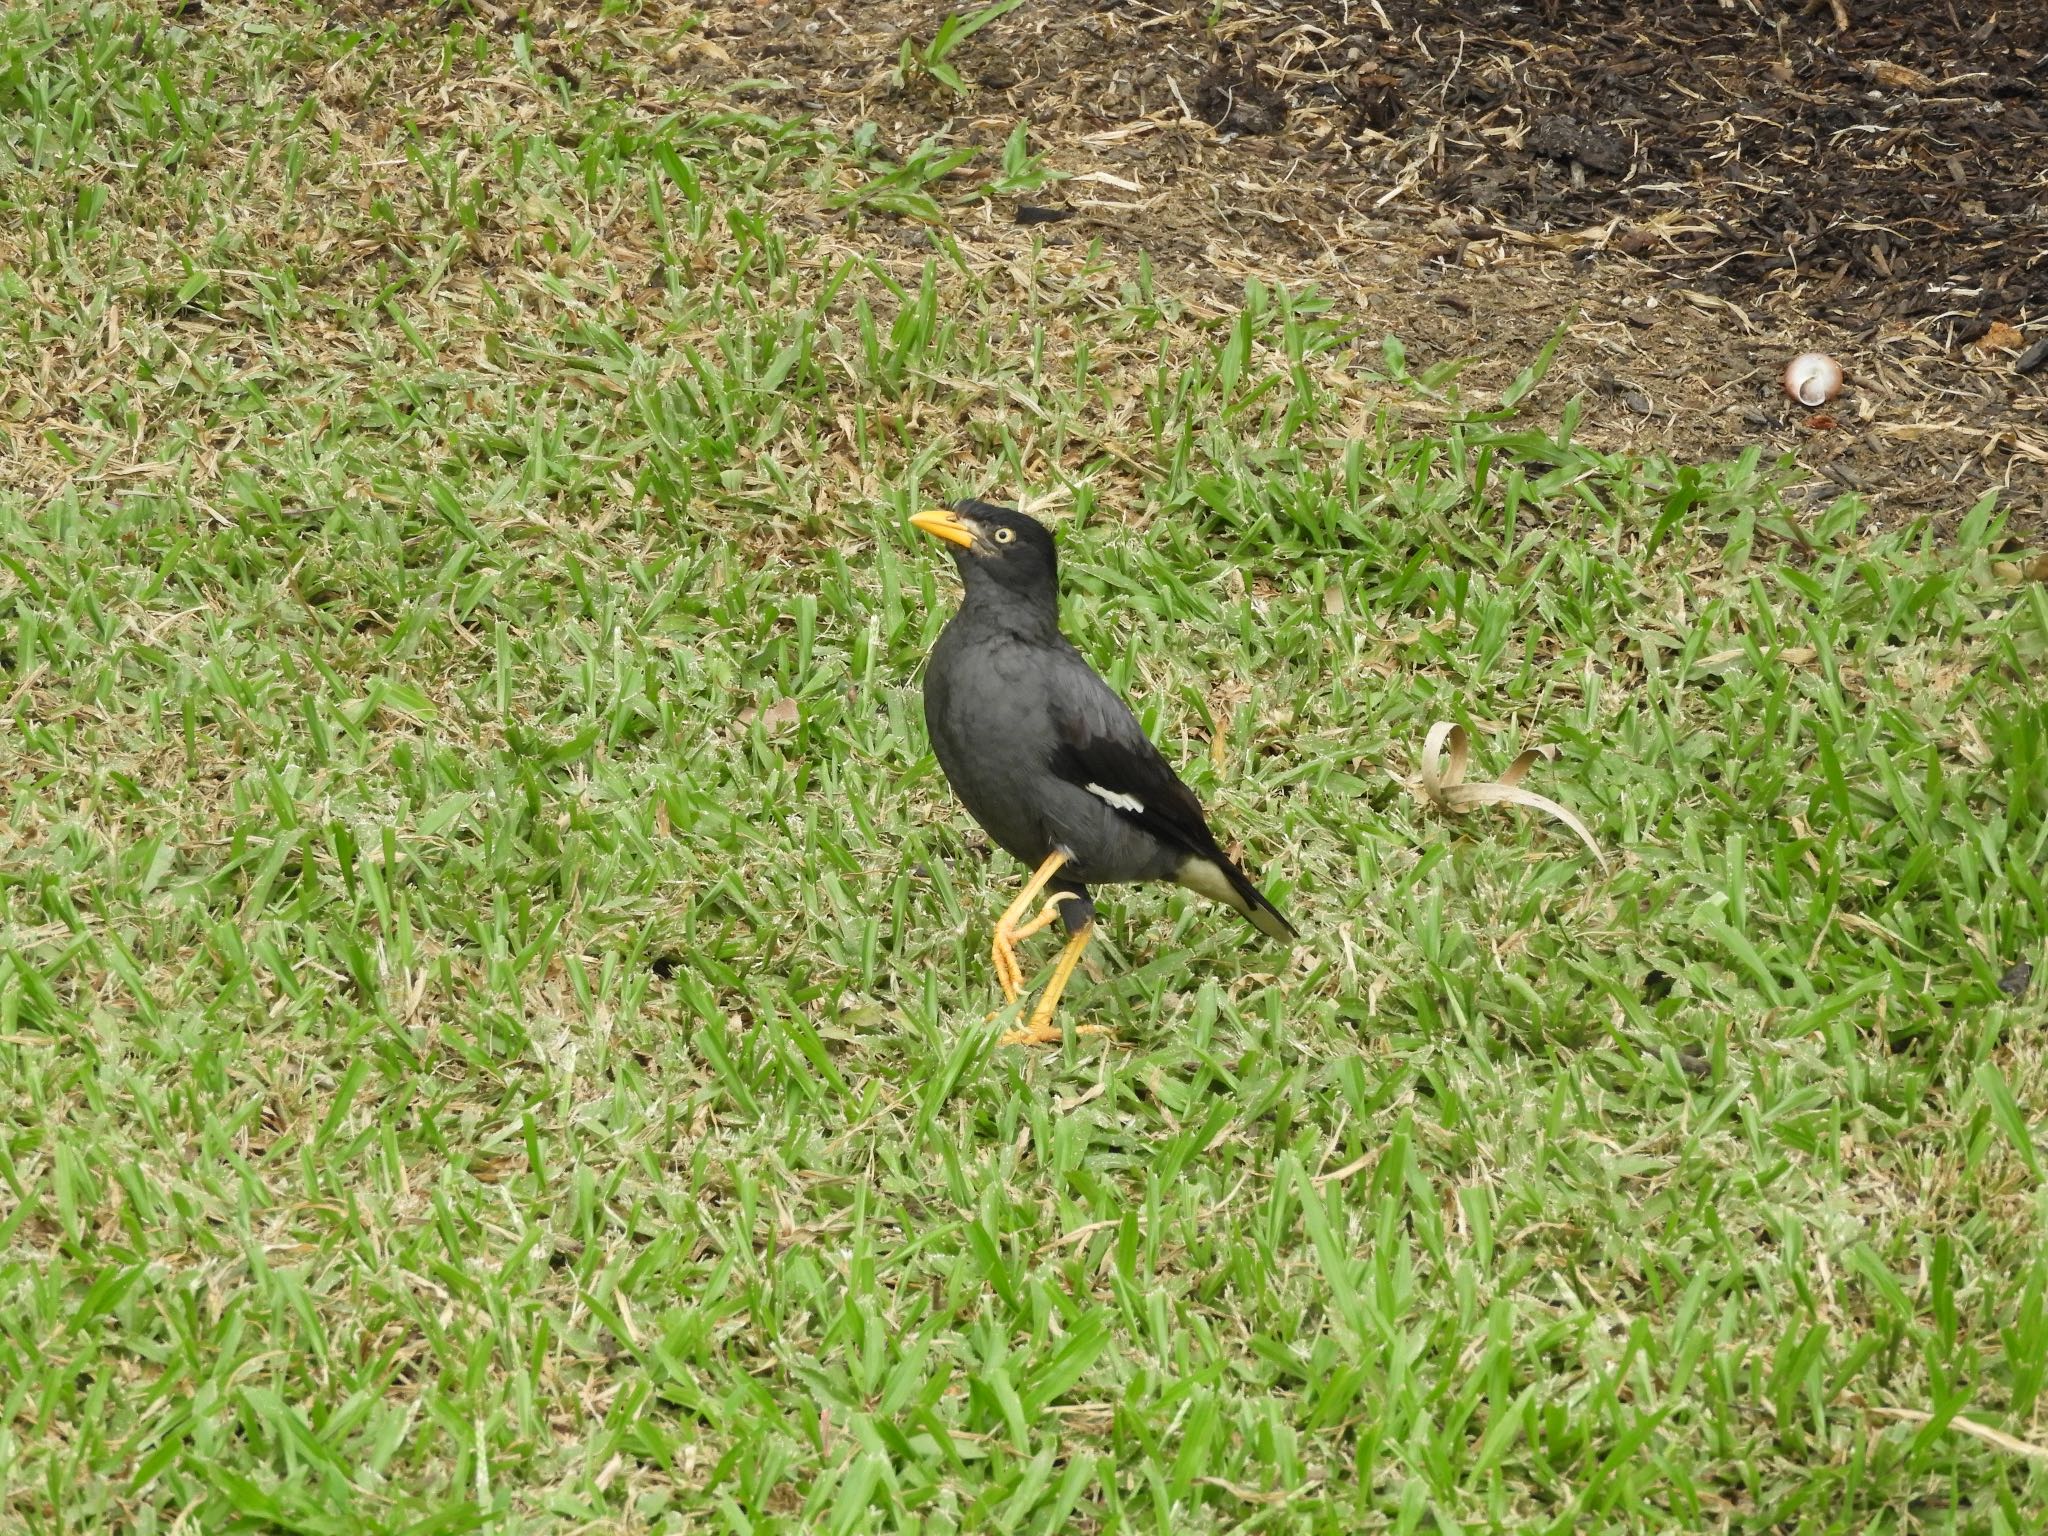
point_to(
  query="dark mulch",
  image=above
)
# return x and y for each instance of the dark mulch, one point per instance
(1897, 170)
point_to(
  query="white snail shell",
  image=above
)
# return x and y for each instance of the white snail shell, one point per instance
(1813, 378)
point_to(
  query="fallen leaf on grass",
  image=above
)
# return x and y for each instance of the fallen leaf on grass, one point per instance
(778, 719)
(1441, 782)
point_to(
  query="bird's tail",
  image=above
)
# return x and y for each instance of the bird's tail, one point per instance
(1221, 880)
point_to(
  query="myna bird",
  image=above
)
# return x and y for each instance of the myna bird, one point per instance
(1049, 760)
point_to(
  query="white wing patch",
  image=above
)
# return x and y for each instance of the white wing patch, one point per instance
(1130, 804)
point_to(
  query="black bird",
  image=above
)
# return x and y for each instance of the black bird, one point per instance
(1049, 760)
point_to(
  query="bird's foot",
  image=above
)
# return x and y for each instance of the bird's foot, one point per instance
(1048, 1033)
(1040, 1029)
(1003, 949)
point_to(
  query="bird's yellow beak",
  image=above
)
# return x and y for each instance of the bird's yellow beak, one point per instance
(943, 523)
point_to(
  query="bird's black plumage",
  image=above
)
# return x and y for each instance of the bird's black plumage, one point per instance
(1041, 750)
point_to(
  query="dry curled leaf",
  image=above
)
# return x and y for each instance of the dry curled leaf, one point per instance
(1441, 782)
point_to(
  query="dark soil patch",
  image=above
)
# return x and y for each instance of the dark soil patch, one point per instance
(1897, 170)
(1711, 189)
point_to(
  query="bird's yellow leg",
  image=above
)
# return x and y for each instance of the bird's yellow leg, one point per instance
(1003, 951)
(1044, 919)
(1041, 1030)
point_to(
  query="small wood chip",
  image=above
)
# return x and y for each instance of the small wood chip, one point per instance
(1897, 77)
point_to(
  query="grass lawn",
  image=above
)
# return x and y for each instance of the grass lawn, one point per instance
(494, 989)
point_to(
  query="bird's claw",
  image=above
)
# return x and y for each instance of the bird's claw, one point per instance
(1048, 1033)
(1003, 949)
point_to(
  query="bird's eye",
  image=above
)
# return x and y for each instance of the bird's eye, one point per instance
(1005, 535)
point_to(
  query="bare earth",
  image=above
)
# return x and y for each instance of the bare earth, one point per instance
(1701, 191)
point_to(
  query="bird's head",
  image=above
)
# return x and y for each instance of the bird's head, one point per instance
(996, 546)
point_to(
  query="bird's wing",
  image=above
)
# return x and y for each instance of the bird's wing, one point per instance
(1099, 746)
